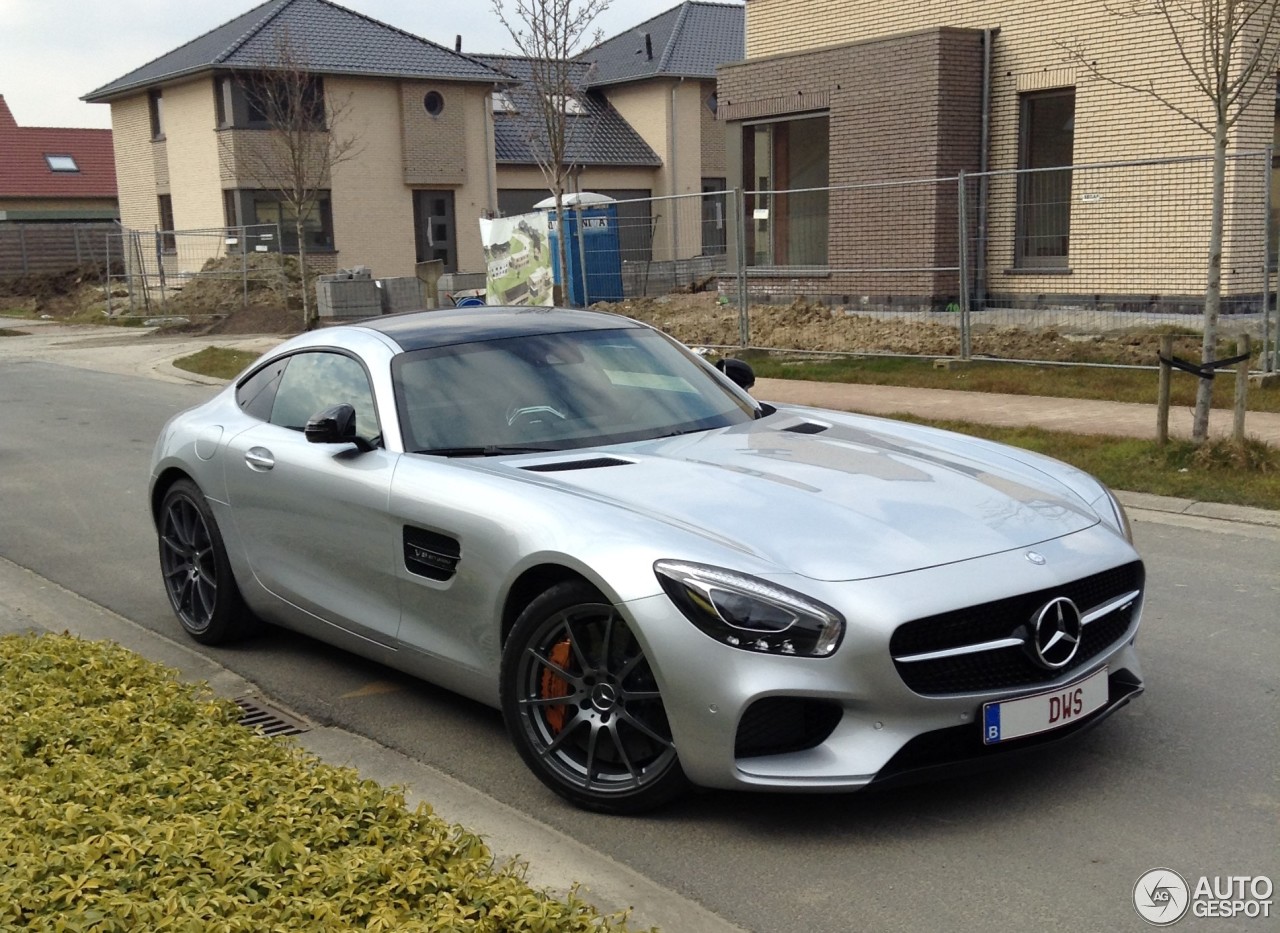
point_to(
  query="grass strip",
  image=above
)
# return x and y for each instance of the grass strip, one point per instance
(1217, 471)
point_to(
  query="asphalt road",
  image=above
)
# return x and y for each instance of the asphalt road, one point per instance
(1184, 778)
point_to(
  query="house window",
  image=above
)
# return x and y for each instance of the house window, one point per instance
(268, 207)
(168, 242)
(433, 103)
(714, 217)
(61, 163)
(1046, 141)
(222, 101)
(785, 165)
(256, 102)
(503, 102)
(155, 106)
(283, 102)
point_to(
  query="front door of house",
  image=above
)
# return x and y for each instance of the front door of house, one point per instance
(434, 229)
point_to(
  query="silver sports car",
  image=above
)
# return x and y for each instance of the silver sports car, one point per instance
(659, 580)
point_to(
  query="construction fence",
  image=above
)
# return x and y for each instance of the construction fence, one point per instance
(1034, 265)
(195, 273)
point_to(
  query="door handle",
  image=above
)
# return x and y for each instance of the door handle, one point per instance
(259, 459)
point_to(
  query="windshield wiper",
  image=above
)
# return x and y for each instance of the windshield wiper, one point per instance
(489, 451)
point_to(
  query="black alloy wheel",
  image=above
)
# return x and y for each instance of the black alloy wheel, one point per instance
(583, 707)
(193, 563)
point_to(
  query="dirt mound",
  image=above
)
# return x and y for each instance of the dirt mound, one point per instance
(813, 326)
(46, 285)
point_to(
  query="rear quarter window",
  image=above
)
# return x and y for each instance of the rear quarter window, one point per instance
(257, 394)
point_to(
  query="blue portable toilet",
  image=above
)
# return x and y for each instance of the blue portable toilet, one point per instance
(593, 246)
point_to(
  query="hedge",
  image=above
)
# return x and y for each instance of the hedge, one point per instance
(130, 800)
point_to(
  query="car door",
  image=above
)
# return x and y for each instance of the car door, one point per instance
(313, 517)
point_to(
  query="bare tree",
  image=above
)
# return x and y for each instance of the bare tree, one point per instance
(1230, 50)
(295, 143)
(549, 34)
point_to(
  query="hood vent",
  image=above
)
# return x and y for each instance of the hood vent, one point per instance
(807, 427)
(565, 465)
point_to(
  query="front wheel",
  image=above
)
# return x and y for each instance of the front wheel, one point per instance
(583, 707)
(196, 572)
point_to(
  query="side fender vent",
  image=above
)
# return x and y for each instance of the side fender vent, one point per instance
(566, 465)
(431, 555)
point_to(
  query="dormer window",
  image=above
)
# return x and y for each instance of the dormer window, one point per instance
(503, 103)
(61, 163)
(568, 104)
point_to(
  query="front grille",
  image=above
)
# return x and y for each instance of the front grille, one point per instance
(776, 725)
(1010, 667)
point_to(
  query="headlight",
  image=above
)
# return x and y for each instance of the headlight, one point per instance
(749, 613)
(1113, 513)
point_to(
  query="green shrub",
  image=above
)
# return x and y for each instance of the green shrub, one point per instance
(132, 801)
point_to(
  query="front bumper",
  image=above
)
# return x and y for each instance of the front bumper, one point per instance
(848, 721)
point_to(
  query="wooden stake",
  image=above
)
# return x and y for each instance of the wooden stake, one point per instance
(1243, 346)
(1162, 405)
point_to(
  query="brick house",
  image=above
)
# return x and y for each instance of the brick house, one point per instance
(432, 156)
(57, 196)
(833, 93)
(55, 174)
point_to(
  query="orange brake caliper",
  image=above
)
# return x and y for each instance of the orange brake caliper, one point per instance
(553, 685)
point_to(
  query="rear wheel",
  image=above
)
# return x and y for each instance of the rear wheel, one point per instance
(583, 707)
(196, 572)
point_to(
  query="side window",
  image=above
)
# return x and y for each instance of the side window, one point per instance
(257, 394)
(313, 382)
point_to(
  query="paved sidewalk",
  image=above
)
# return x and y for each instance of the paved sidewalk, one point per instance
(1080, 416)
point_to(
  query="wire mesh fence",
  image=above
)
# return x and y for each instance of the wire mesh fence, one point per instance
(194, 273)
(1070, 264)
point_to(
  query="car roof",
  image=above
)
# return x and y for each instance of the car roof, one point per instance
(421, 330)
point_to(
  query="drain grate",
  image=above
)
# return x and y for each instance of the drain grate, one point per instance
(259, 716)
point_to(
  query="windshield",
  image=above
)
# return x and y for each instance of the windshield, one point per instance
(557, 391)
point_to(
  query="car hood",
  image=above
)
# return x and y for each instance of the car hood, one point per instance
(856, 499)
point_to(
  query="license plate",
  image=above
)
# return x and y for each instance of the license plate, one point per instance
(1013, 719)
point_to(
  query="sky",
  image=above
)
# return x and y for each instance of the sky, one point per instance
(53, 52)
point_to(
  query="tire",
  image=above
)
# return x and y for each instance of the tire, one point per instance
(607, 747)
(195, 570)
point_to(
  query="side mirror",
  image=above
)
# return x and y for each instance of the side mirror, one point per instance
(336, 425)
(739, 372)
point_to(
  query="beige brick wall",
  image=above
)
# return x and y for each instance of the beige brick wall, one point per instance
(135, 163)
(372, 198)
(712, 133)
(372, 207)
(1032, 51)
(591, 178)
(667, 115)
(192, 148)
(432, 154)
(478, 196)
